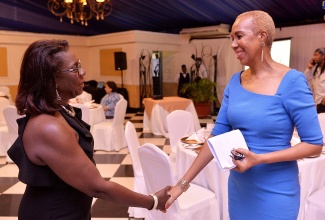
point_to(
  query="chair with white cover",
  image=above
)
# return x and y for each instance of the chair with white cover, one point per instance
(4, 139)
(196, 203)
(6, 91)
(321, 119)
(11, 116)
(120, 95)
(109, 135)
(4, 102)
(139, 184)
(4, 133)
(179, 123)
(85, 112)
(315, 206)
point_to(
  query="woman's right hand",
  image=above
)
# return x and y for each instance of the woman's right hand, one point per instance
(311, 64)
(174, 193)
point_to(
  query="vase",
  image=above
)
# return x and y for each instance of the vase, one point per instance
(203, 109)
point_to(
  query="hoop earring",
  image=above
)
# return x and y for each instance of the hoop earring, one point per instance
(262, 46)
(58, 97)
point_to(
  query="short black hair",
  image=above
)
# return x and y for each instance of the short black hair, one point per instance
(112, 85)
(321, 50)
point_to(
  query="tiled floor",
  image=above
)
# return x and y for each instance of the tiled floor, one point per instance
(114, 166)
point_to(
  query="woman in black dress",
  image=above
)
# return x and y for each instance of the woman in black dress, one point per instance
(54, 150)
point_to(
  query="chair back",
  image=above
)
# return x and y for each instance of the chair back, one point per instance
(120, 95)
(85, 112)
(179, 124)
(11, 116)
(119, 112)
(133, 145)
(139, 184)
(6, 91)
(157, 174)
(4, 102)
(321, 119)
(110, 135)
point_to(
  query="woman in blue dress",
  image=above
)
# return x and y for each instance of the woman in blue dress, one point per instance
(265, 102)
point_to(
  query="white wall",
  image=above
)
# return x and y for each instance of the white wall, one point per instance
(131, 42)
(17, 42)
(305, 39)
(177, 48)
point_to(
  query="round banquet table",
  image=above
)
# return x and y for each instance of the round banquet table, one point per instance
(94, 115)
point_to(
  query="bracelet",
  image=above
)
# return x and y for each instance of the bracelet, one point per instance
(155, 201)
(183, 184)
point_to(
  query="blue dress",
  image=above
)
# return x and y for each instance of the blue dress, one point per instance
(110, 100)
(268, 191)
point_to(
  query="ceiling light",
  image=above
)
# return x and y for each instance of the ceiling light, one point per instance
(80, 10)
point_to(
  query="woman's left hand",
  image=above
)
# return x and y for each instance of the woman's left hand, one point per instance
(250, 160)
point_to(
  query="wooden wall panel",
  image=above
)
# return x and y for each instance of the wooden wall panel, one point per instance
(107, 65)
(3, 62)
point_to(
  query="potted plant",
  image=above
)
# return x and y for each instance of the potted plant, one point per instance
(202, 94)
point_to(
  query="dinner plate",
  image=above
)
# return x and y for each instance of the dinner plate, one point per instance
(183, 139)
(92, 106)
(192, 146)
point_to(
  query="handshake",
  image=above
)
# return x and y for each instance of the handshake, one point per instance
(164, 198)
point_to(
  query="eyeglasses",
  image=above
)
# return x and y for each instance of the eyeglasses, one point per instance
(77, 68)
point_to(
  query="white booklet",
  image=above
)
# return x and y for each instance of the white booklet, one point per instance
(222, 144)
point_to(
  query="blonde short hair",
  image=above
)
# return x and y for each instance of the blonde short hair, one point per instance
(262, 21)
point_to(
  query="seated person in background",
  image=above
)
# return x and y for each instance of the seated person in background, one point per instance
(83, 98)
(110, 99)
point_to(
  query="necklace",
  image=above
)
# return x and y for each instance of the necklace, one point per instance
(70, 112)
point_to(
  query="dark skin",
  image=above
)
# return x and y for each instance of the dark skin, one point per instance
(49, 140)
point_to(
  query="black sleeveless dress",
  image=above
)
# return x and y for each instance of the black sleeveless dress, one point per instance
(47, 196)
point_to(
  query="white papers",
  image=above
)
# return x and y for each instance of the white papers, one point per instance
(221, 145)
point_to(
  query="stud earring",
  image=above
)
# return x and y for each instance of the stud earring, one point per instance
(262, 46)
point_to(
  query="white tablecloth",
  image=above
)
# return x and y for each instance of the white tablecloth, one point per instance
(157, 123)
(96, 113)
(312, 178)
(311, 175)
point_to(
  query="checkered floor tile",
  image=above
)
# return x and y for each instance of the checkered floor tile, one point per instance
(114, 166)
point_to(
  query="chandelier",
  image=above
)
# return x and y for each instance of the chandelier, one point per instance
(80, 10)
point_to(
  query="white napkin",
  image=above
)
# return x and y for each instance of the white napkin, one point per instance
(197, 136)
(221, 145)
